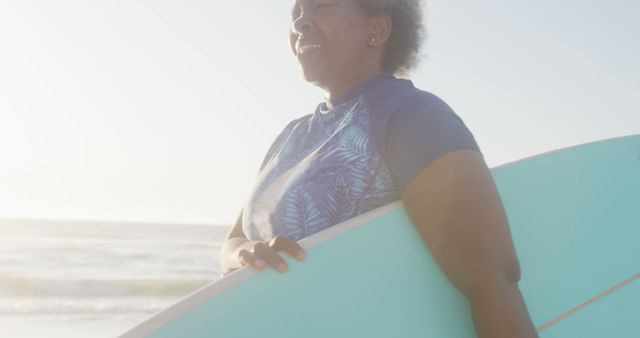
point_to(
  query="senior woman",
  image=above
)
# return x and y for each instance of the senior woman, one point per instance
(376, 139)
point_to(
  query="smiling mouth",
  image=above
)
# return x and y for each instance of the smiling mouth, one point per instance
(308, 49)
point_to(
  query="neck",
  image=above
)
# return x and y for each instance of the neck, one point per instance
(340, 87)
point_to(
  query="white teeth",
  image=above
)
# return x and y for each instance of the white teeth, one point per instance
(307, 48)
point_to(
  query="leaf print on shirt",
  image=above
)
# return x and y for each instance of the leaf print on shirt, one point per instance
(299, 213)
(326, 171)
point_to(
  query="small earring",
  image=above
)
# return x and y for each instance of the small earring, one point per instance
(372, 41)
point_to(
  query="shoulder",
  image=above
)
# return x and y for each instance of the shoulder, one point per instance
(408, 112)
(416, 128)
(284, 135)
(401, 103)
(291, 127)
(398, 94)
(416, 105)
(418, 98)
(296, 123)
(415, 111)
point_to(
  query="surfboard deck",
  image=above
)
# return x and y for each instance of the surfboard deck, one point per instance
(574, 219)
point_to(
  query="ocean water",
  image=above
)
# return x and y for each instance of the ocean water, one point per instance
(95, 279)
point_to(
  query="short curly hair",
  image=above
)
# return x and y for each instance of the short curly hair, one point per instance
(408, 32)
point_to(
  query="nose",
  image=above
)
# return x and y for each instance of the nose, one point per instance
(301, 25)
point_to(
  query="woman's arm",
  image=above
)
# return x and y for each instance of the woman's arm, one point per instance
(456, 206)
(229, 259)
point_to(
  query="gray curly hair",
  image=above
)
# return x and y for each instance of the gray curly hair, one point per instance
(402, 53)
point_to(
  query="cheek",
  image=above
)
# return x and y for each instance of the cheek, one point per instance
(349, 33)
(349, 46)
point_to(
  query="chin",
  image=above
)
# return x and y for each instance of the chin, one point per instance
(314, 76)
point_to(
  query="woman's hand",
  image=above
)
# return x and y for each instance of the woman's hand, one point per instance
(260, 254)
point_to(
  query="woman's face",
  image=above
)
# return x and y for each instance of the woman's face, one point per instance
(329, 39)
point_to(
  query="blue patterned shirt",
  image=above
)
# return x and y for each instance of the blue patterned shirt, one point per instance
(332, 165)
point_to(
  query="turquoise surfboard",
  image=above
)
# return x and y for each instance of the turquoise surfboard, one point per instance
(575, 220)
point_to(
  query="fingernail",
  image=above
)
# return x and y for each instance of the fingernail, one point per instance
(282, 267)
(301, 255)
(260, 263)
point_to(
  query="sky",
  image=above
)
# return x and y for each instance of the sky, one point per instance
(162, 111)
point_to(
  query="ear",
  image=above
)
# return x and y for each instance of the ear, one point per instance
(380, 28)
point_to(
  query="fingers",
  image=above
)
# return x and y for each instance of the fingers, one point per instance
(262, 254)
(289, 246)
(270, 255)
(249, 258)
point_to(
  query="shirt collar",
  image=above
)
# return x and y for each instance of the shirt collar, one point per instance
(356, 90)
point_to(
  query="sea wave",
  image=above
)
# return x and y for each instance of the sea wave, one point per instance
(46, 287)
(81, 308)
(61, 271)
